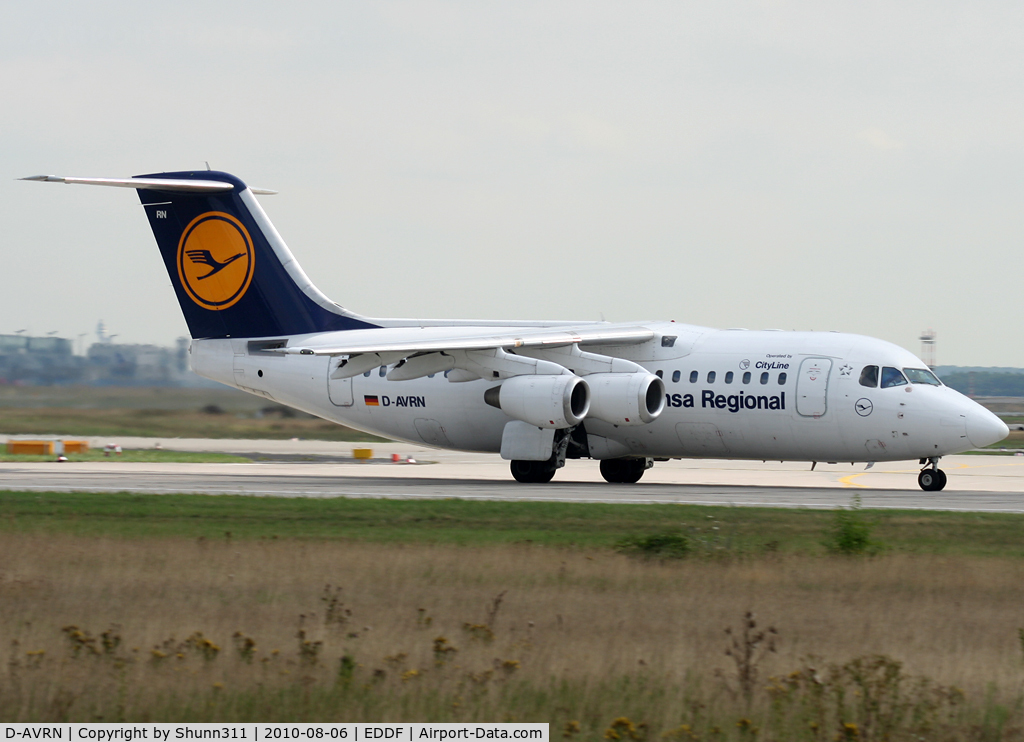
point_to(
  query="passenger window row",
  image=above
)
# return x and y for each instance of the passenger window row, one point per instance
(729, 377)
(694, 376)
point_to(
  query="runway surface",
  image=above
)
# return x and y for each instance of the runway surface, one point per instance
(976, 483)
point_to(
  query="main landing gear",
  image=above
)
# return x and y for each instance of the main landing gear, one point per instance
(533, 472)
(616, 471)
(931, 478)
(624, 471)
(569, 443)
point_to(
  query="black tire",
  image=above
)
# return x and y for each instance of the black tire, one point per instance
(543, 474)
(931, 480)
(532, 472)
(623, 471)
(610, 469)
(634, 470)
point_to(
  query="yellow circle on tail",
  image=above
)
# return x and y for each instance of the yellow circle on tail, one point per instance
(215, 260)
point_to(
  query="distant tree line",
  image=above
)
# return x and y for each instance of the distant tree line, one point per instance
(986, 383)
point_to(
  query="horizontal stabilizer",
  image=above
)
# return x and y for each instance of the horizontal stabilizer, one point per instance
(155, 184)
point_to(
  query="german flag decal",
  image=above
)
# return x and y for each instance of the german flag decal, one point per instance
(370, 400)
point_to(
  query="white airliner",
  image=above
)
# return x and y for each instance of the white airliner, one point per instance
(538, 393)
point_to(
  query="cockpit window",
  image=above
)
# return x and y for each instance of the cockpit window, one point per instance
(921, 376)
(892, 377)
(869, 376)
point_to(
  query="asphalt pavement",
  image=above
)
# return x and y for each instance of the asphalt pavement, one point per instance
(985, 483)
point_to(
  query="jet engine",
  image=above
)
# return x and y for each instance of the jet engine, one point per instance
(545, 401)
(626, 399)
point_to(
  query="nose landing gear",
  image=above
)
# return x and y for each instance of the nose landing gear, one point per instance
(931, 478)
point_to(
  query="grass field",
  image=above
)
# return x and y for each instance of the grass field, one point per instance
(169, 424)
(128, 397)
(902, 646)
(159, 413)
(146, 608)
(735, 532)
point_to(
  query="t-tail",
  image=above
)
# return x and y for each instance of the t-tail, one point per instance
(232, 272)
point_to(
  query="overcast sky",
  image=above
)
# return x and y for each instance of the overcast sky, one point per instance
(826, 166)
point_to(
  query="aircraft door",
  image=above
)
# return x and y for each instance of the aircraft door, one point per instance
(339, 391)
(812, 387)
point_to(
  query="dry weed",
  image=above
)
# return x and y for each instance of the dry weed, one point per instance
(90, 627)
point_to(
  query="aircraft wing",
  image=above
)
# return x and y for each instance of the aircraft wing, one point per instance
(473, 352)
(417, 340)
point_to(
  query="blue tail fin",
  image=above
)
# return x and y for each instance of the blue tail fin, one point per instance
(232, 272)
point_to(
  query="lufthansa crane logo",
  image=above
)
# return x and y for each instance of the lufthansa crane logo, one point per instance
(215, 260)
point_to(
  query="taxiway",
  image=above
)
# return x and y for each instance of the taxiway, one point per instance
(976, 483)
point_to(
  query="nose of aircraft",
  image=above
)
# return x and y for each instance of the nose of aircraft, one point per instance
(984, 428)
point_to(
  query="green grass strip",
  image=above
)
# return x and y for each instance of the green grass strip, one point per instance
(711, 530)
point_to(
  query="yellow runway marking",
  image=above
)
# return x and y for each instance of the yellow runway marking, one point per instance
(847, 483)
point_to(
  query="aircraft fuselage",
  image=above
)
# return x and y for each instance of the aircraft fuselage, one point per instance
(729, 394)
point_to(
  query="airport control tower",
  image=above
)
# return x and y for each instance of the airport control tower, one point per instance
(928, 347)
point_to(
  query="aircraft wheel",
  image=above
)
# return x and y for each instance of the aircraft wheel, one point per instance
(532, 472)
(610, 469)
(634, 470)
(931, 480)
(623, 471)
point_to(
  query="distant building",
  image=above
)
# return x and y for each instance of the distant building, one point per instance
(38, 360)
(48, 361)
